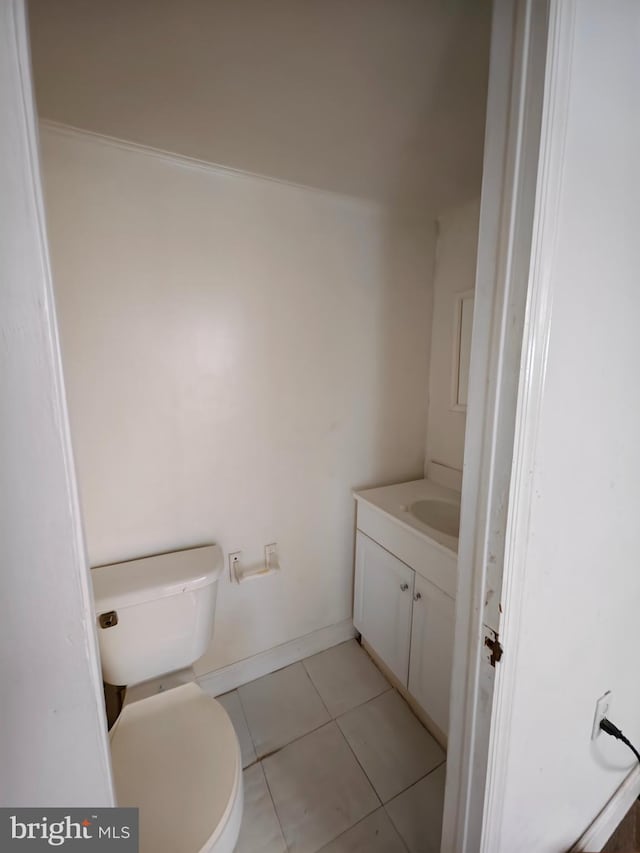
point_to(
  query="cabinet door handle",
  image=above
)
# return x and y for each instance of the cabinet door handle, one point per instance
(417, 596)
(404, 587)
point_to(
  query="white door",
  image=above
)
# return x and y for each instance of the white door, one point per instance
(53, 737)
(432, 651)
(570, 626)
(383, 602)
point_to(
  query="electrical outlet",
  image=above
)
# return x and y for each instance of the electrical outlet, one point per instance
(602, 709)
(234, 564)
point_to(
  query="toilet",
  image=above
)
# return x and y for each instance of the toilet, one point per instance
(174, 750)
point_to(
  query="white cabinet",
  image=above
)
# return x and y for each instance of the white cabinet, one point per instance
(432, 650)
(409, 623)
(383, 603)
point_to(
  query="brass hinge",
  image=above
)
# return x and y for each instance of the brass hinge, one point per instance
(493, 643)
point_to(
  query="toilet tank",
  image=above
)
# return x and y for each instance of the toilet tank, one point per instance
(155, 615)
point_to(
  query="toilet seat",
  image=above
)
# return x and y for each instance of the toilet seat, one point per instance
(176, 757)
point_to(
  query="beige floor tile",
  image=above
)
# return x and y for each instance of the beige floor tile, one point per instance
(260, 831)
(231, 703)
(390, 743)
(374, 834)
(281, 707)
(417, 813)
(318, 789)
(345, 676)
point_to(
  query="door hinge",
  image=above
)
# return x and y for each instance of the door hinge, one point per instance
(493, 643)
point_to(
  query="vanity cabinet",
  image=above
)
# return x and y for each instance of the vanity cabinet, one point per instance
(432, 627)
(383, 604)
(409, 624)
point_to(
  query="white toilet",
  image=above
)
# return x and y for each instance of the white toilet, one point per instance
(174, 750)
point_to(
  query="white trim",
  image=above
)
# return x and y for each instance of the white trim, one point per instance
(518, 47)
(532, 377)
(236, 674)
(66, 538)
(606, 823)
(185, 162)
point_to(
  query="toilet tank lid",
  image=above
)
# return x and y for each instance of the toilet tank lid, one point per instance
(135, 581)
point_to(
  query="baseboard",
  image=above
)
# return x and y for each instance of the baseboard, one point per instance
(606, 823)
(229, 677)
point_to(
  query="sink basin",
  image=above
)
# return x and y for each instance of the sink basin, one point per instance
(424, 514)
(439, 515)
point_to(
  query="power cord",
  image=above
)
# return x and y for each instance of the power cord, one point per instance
(608, 727)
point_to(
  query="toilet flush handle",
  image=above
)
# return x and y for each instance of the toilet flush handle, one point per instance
(108, 620)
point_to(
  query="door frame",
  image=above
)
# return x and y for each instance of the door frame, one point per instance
(56, 728)
(503, 347)
(555, 91)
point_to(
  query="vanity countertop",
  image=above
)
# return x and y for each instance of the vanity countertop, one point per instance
(396, 500)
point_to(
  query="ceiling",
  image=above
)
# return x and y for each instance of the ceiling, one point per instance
(381, 99)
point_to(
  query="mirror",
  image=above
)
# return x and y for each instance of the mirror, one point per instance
(462, 325)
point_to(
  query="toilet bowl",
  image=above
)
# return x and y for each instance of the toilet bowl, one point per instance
(174, 751)
(176, 757)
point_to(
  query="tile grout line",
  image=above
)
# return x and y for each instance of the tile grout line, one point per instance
(379, 805)
(311, 682)
(295, 740)
(273, 803)
(391, 687)
(246, 721)
(397, 829)
(331, 719)
(366, 775)
(315, 729)
(365, 702)
(368, 814)
(359, 704)
(362, 819)
(277, 749)
(260, 759)
(384, 805)
(417, 782)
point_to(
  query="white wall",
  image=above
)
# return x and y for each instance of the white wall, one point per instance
(455, 272)
(572, 627)
(53, 738)
(239, 355)
(364, 97)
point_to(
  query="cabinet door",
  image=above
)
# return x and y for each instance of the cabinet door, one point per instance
(432, 651)
(382, 604)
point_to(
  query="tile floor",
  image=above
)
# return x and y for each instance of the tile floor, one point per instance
(335, 761)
